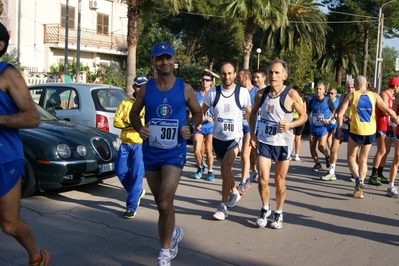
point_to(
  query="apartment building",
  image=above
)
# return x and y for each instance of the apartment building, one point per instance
(38, 31)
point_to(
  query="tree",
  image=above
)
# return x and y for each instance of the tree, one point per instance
(256, 13)
(365, 18)
(134, 9)
(307, 25)
(205, 39)
(388, 67)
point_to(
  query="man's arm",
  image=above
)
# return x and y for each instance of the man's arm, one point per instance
(253, 116)
(300, 109)
(14, 84)
(138, 105)
(342, 109)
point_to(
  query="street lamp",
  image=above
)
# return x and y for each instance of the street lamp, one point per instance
(378, 57)
(258, 51)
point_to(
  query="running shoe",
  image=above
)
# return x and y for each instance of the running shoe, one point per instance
(328, 177)
(328, 162)
(129, 214)
(164, 261)
(174, 243)
(254, 176)
(198, 174)
(233, 198)
(316, 167)
(211, 176)
(141, 195)
(45, 259)
(296, 158)
(248, 183)
(358, 194)
(383, 179)
(242, 188)
(352, 179)
(262, 218)
(373, 180)
(277, 221)
(392, 192)
(221, 213)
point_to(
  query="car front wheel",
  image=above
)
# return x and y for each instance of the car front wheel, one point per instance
(28, 181)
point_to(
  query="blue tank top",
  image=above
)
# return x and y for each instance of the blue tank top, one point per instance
(166, 112)
(320, 111)
(209, 113)
(10, 141)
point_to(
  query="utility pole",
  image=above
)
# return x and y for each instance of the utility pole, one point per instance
(378, 57)
(78, 42)
(66, 37)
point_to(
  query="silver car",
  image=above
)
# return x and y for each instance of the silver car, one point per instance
(81, 103)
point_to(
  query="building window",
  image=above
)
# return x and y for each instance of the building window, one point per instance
(71, 20)
(102, 23)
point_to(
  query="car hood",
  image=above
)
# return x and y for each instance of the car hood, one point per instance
(63, 131)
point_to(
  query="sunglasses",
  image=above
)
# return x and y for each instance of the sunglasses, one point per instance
(331, 93)
(206, 80)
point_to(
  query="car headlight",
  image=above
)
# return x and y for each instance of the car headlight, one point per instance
(81, 150)
(64, 151)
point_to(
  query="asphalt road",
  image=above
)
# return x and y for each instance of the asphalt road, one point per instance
(323, 224)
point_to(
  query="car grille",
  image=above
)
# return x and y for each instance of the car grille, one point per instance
(102, 148)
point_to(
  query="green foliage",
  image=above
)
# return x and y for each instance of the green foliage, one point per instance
(12, 58)
(301, 65)
(389, 55)
(112, 74)
(191, 74)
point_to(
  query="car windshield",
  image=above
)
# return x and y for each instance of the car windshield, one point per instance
(45, 115)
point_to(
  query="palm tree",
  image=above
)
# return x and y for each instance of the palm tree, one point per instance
(342, 54)
(307, 25)
(262, 13)
(134, 9)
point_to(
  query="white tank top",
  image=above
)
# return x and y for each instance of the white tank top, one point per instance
(228, 116)
(271, 114)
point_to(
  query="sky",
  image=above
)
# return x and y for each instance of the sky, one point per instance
(385, 42)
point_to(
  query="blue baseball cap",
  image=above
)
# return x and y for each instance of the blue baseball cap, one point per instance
(162, 48)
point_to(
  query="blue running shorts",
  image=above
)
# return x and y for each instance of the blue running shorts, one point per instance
(10, 173)
(277, 153)
(362, 140)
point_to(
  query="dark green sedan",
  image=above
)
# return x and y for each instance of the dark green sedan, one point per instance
(62, 154)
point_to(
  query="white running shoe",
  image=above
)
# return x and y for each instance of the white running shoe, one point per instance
(277, 221)
(221, 213)
(233, 198)
(164, 261)
(261, 221)
(174, 243)
(393, 192)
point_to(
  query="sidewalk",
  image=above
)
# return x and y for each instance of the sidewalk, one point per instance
(323, 224)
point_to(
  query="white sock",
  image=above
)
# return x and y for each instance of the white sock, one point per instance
(266, 207)
(391, 185)
(332, 169)
(164, 253)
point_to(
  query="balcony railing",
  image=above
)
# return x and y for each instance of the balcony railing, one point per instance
(88, 38)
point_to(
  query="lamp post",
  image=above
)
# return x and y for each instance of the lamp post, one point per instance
(378, 57)
(258, 51)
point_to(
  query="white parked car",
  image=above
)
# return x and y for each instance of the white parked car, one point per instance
(81, 103)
